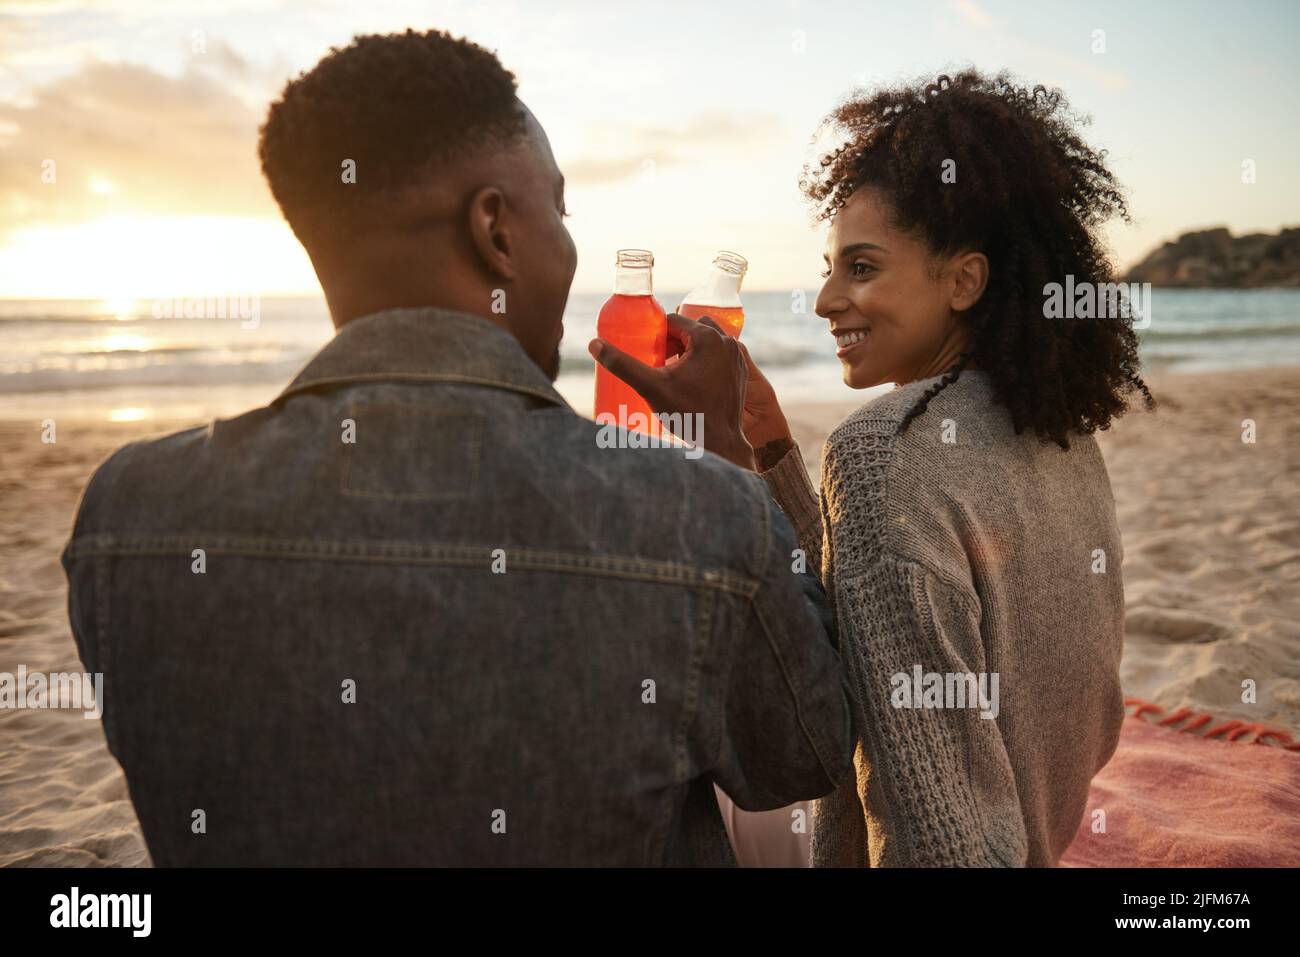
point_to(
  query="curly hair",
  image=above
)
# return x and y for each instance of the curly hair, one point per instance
(397, 105)
(1030, 195)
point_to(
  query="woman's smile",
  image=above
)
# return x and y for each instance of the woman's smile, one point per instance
(848, 340)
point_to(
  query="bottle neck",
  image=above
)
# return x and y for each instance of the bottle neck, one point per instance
(632, 281)
(720, 288)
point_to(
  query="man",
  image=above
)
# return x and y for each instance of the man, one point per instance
(412, 612)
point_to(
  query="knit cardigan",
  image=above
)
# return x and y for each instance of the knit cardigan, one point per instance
(958, 552)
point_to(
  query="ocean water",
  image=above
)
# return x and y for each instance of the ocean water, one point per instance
(115, 360)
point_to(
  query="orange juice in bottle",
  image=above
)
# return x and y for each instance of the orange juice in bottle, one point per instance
(719, 295)
(632, 320)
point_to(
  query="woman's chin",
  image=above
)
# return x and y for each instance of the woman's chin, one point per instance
(856, 377)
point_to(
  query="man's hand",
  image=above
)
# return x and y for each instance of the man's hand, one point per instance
(709, 378)
(764, 422)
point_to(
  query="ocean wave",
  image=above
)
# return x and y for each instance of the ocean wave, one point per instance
(1224, 331)
(165, 374)
(73, 346)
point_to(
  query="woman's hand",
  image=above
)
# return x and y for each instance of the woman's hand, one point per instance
(708, 378)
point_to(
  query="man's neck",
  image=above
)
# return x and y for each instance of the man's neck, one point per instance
(349, 301)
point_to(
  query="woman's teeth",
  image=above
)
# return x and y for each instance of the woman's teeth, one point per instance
(849, 338)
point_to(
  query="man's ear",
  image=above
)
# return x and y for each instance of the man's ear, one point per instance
(490, 231)
(970, 273)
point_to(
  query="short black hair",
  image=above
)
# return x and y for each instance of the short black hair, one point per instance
(1031, 195)
(395, 104)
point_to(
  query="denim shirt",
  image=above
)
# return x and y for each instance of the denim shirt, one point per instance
(412, 613)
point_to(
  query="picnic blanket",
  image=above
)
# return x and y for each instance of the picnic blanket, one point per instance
(1174, 797)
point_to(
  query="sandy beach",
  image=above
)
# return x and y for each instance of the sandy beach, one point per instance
(1211, 529)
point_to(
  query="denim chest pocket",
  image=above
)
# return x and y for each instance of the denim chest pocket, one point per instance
(409, 453)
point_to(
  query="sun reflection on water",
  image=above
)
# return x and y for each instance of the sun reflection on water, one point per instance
(120, 308)
(127, 414)
(124, 343)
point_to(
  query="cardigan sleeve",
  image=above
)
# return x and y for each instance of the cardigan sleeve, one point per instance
(789, 484)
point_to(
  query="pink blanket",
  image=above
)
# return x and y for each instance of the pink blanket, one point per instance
(1177, 799)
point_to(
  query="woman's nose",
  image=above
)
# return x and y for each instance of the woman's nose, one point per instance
(828, 303)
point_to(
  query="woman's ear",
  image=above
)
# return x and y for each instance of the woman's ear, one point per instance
(489, 231)
(971, 275)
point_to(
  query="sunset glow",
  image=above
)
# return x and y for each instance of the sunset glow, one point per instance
(123, 258)
(129, 135)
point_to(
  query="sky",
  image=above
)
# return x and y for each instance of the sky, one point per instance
(680, 127)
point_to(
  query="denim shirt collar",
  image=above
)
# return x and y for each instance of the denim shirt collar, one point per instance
(424, 344)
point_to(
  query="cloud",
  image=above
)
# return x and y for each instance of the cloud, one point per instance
(126, 138)
(614, 152)
(972, 12)
(1046, 61)
(597, 172)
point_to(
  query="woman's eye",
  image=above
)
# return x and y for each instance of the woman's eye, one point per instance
(861, 269)
(826, 273)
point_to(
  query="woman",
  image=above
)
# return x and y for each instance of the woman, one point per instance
(965, 528)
